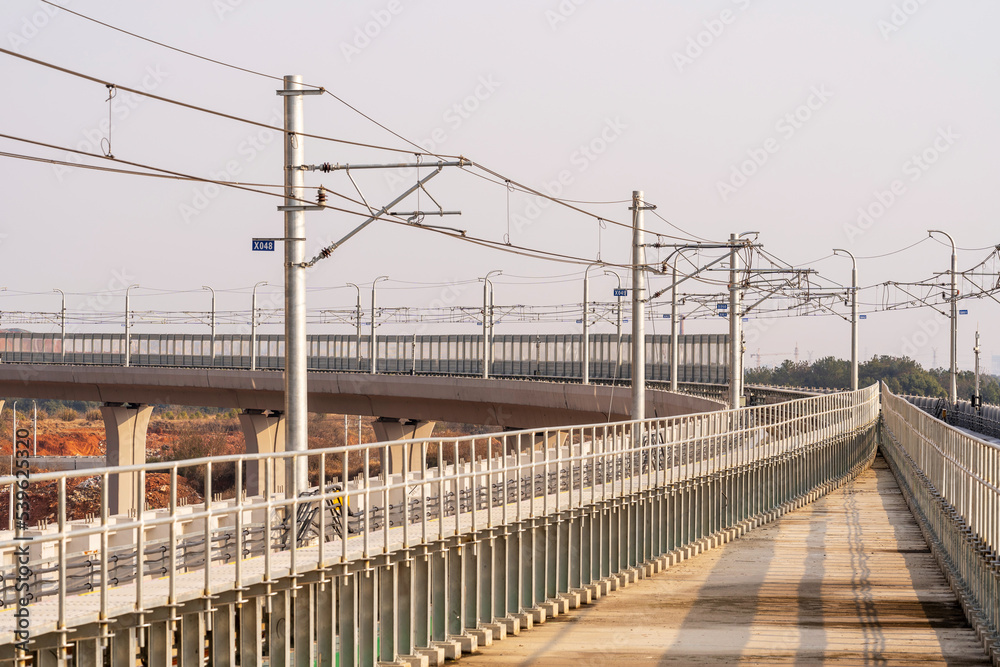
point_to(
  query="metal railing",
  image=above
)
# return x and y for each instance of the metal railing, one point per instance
(478, 531)
(950, 481)
(985, 420)
(702, 357)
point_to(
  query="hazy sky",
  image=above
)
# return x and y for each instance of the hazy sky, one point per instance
(885, 106)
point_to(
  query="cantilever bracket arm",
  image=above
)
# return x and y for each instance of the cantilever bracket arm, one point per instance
(328, 250)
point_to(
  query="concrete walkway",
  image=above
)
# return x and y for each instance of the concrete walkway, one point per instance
(845, 581)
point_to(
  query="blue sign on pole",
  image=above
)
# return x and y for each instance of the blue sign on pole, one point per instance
(746, 319)
(666, 317)
(963, 312)
(266, 245)
(621, 291)
(579, 321)
(721, 306)
(863, 317)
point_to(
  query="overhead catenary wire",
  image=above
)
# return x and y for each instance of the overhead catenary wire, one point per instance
(230, 184)
(195, 107)
(525, 251)
(130, 172)
(419, 149)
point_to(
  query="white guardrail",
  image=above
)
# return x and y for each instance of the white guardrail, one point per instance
(477, 535)
(951, 481)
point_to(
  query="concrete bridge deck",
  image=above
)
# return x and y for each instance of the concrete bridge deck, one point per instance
(847, 580)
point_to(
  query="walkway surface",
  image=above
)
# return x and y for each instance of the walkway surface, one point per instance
(847, 580)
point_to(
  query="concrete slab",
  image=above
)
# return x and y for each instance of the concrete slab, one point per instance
(550, 607)
(511, 624)
(847, 580)
(452, 648)
(498, 630)
(537, 615)
(468, 642)
(483, 637)
(435, 654)
(415, 660)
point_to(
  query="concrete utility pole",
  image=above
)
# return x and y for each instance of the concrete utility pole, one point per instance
(62, 325)
(638, 307)
(975, 350)
(128, 329)
(586, 322)
(296, 388)
(618, 322)
(488, 321)
(357, 325)
(675, 354)
(492, 324)
(735, 326)
(212, 321)
(953, 388)
(854, 317)
(372, 343)
(253, 325)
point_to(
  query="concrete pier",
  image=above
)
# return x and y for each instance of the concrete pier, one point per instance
(847, 580)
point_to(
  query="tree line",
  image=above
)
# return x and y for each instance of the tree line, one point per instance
(901, 375)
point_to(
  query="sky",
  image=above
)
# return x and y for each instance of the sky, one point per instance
(857, 125)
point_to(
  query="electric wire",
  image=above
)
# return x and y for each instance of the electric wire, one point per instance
(166, 46)
(195, 107)
(525, 251)
(420, 151)
(130, 172)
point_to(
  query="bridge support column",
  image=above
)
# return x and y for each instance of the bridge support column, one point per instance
(347, 613)
(88, 653)
(263, 432)
(280, 630)
(224, 637)
(304, 607)
(125, 431)
(251, 642)
(192, 647)
(124, 647)
(326, 623)
(398, 431)
(160, 644)
(421, 599)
